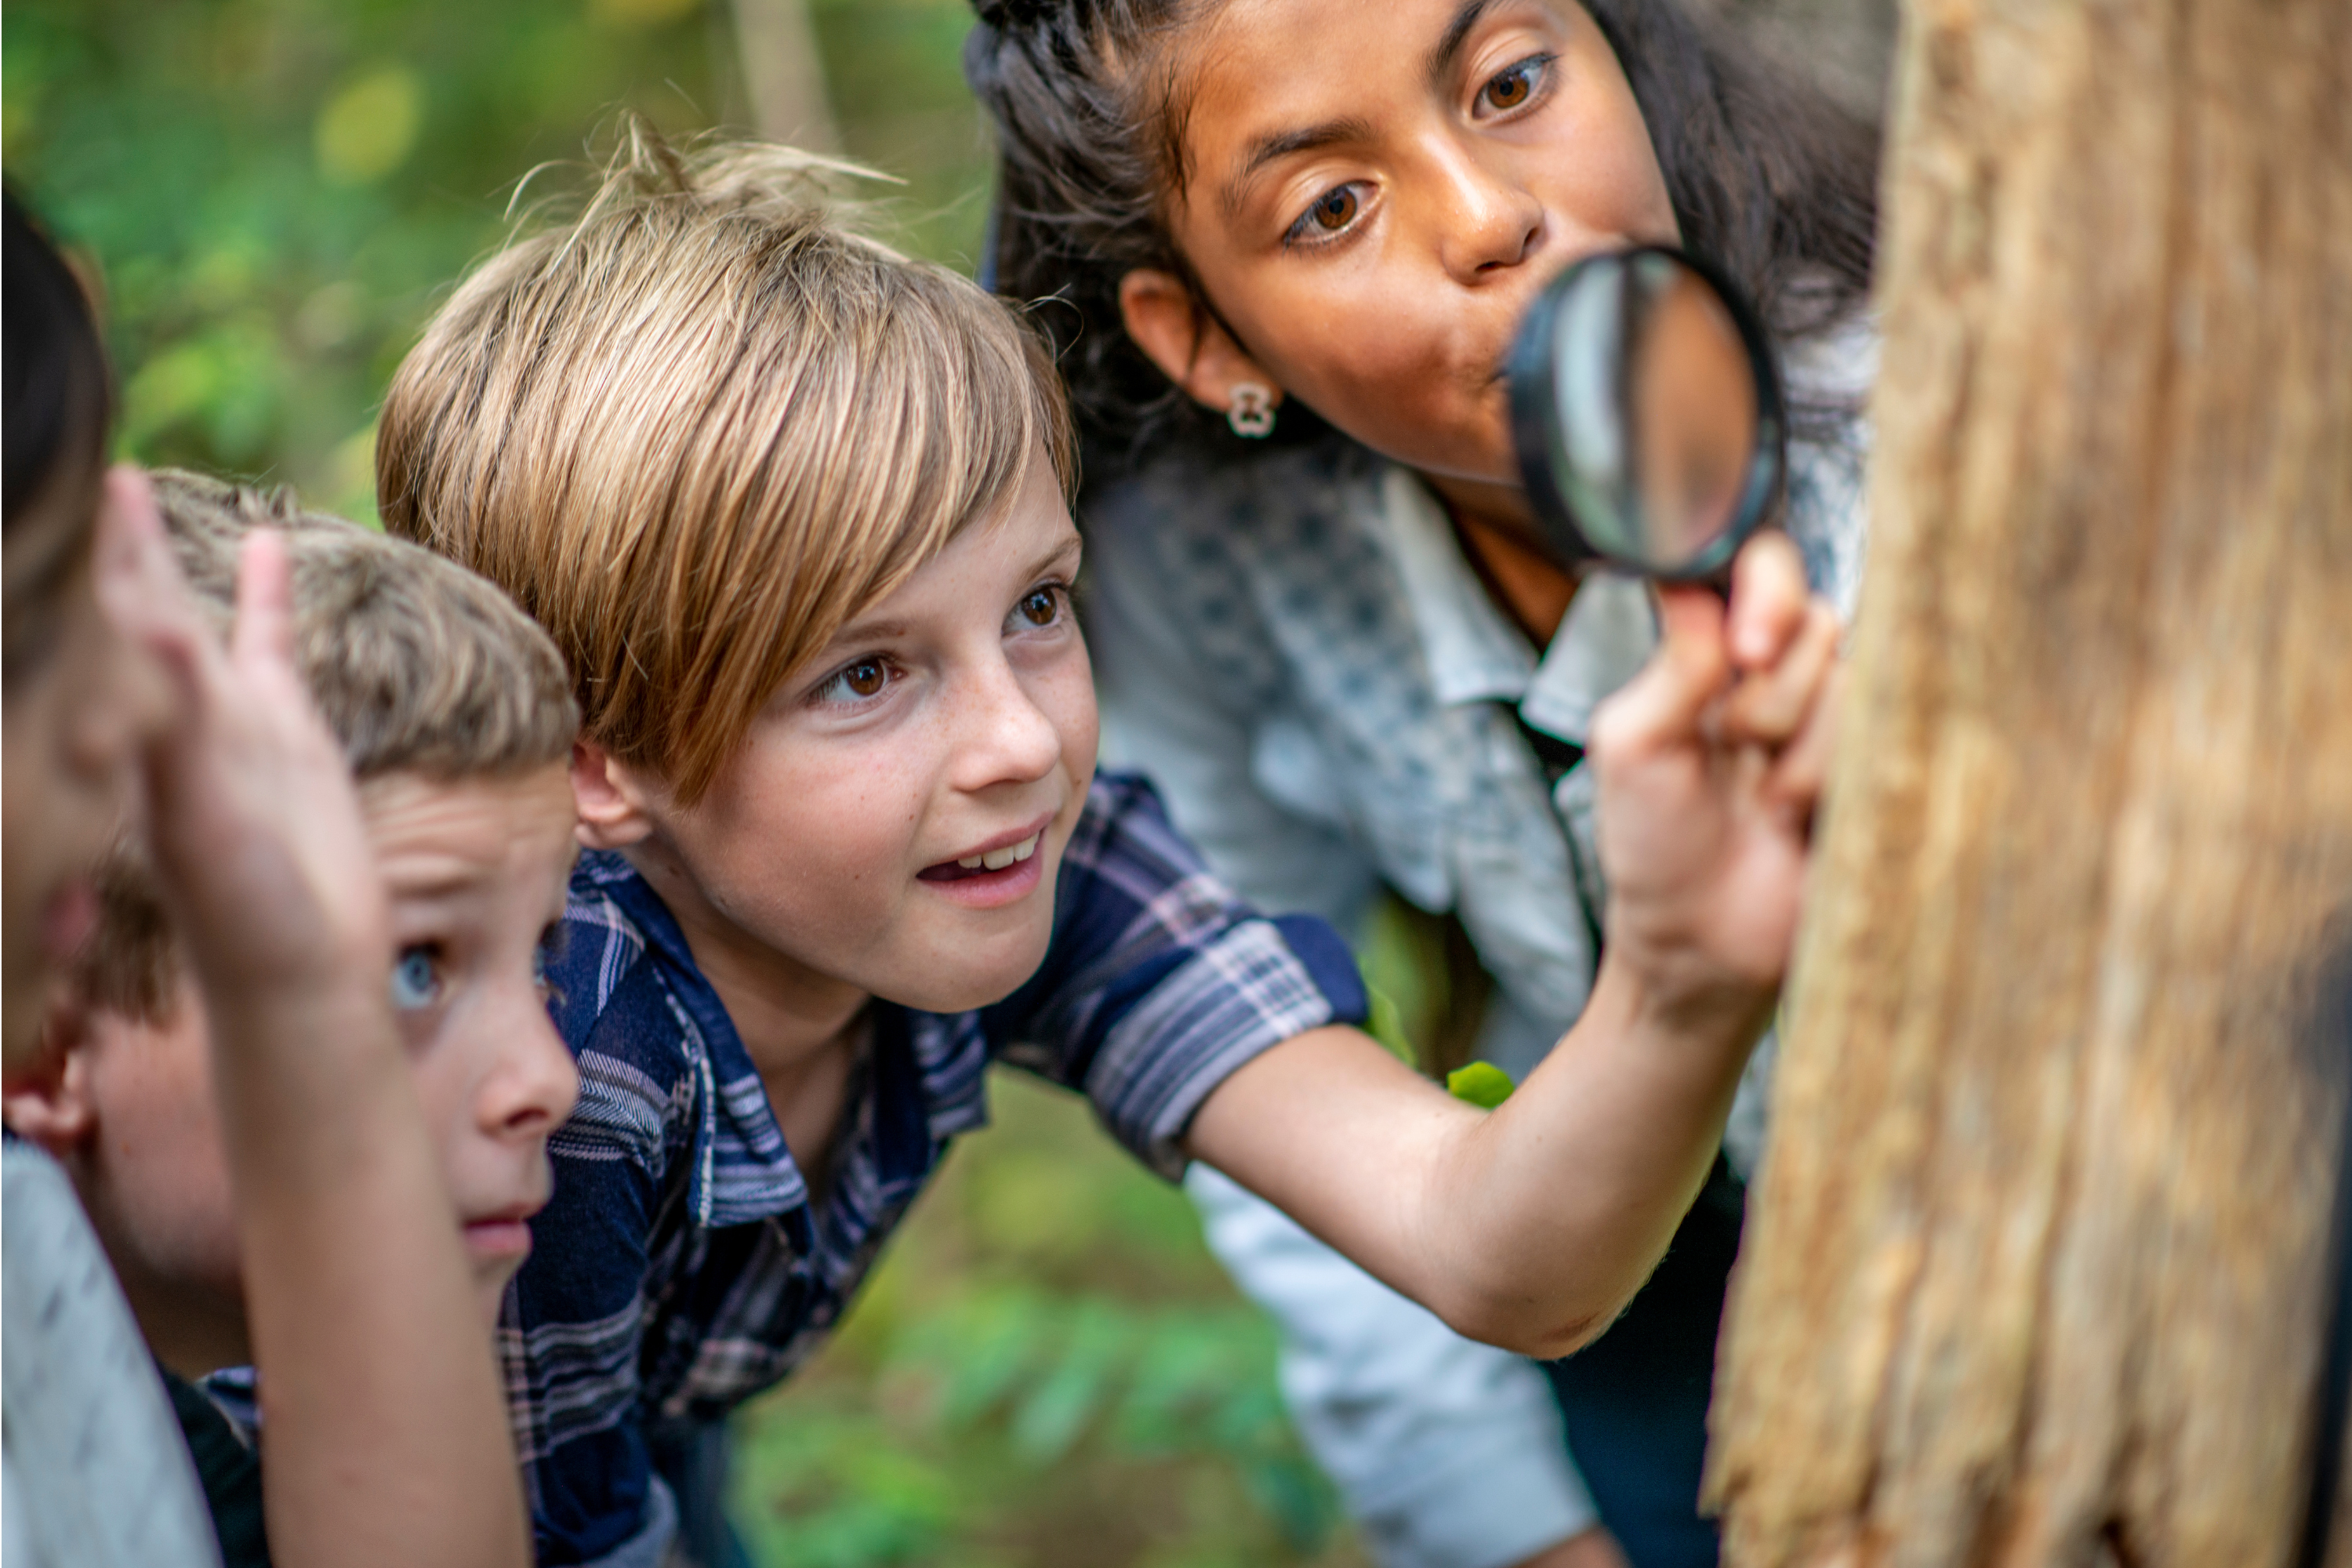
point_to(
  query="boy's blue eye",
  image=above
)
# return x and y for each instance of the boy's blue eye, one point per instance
(544, 957)
(857, 681)
(415, 978)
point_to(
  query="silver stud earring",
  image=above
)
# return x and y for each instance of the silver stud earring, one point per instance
(1250, 412)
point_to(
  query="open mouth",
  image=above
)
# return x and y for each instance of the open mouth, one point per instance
(988, 863)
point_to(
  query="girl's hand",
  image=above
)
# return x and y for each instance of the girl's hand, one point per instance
(250, 812)
(1709, 763)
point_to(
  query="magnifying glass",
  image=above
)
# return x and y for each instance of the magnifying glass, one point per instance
(1647, 415)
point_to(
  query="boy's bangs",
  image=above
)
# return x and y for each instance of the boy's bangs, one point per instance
(696, 430)
(889, 445)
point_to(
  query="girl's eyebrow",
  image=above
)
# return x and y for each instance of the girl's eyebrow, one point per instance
(1440, 60)
(1279, 144)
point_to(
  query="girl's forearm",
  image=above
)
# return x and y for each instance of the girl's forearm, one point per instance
(1528, 1226)
(1549, 1214)
(386, 1433)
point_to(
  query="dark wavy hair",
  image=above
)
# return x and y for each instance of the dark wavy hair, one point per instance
(59, 404)
(1768, 176)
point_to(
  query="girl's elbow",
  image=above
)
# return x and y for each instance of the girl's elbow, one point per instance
(1535, 1329)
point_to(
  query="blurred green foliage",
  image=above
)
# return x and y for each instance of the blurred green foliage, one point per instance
(275, 192)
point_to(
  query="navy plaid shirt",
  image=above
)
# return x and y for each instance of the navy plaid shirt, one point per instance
(681, 1267)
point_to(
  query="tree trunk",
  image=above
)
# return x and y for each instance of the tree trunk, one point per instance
(2036, 1272)
(784, 74)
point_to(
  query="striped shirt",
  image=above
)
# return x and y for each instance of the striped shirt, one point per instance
(682, 1267)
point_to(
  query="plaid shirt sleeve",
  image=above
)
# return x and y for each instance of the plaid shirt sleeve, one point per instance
(1161, 982)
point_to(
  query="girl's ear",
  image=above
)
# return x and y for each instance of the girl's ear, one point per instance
(1188, 344)
(608, 798)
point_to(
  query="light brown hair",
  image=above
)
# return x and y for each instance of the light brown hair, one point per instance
(416, 665)
(699, 426)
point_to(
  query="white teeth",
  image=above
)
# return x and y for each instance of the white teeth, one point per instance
(997, 859)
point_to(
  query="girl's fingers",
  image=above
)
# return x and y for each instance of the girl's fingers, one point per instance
(1773, 701)
(139, 589)
(1665, 703)
(264, 637)
(1801, 769)
(1768, 600)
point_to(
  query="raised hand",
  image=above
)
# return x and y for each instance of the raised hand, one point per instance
(1709, 765)
(250, 812)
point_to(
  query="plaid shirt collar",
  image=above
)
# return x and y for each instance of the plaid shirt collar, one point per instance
(739, 1170)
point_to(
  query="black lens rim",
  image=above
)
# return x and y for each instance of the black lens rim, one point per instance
(1535, 413)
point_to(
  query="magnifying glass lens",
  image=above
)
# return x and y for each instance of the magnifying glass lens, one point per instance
(1647, 414)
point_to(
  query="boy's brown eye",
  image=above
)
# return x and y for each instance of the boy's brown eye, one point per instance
(1040, 607)
(1336, 209)
(865, 677)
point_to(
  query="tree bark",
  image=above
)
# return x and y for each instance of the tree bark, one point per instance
(2035, 1271)
(784, 74)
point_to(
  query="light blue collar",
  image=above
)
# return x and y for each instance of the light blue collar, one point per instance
(1475, 655)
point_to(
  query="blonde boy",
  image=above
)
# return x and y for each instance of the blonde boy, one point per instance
(793, 508)
(456, 719)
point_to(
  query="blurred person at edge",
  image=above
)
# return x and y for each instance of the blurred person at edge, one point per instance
(382, 1385)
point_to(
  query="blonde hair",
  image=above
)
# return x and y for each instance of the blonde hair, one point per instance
(698, 428)
(416, 665)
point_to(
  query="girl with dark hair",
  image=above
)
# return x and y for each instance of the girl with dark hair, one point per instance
(1281, 246)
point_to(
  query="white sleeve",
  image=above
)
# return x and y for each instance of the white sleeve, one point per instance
(1168, 715)
(1449, 1453)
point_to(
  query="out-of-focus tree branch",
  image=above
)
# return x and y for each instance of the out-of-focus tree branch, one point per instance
(783, 74)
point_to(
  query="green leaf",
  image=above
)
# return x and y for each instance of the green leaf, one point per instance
(1483, 1084)
(1385, 1024)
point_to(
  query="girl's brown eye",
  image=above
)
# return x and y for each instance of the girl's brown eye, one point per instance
(1511, 88)
(865, 677)
(1337, 210)
(1040, 608)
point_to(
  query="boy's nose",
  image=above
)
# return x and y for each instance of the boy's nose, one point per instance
(536, 1083)
(1005, 737)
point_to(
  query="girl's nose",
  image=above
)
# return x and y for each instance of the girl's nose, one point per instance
(1487, 222)
(536, 1083)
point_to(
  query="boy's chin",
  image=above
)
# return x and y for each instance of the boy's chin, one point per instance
(491, 1278)
(975, 979)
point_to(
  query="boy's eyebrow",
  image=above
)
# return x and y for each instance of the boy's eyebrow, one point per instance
(1071, 545)
(1439, 64)
(1280, 144)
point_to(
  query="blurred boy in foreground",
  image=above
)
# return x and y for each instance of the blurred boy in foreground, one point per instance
(455, 716)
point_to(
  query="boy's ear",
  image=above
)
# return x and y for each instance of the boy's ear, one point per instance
(1190, 346)
(608, 798)
(49, 1104)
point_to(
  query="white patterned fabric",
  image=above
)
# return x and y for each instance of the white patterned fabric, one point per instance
(96, 1474)
(1292, 646)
